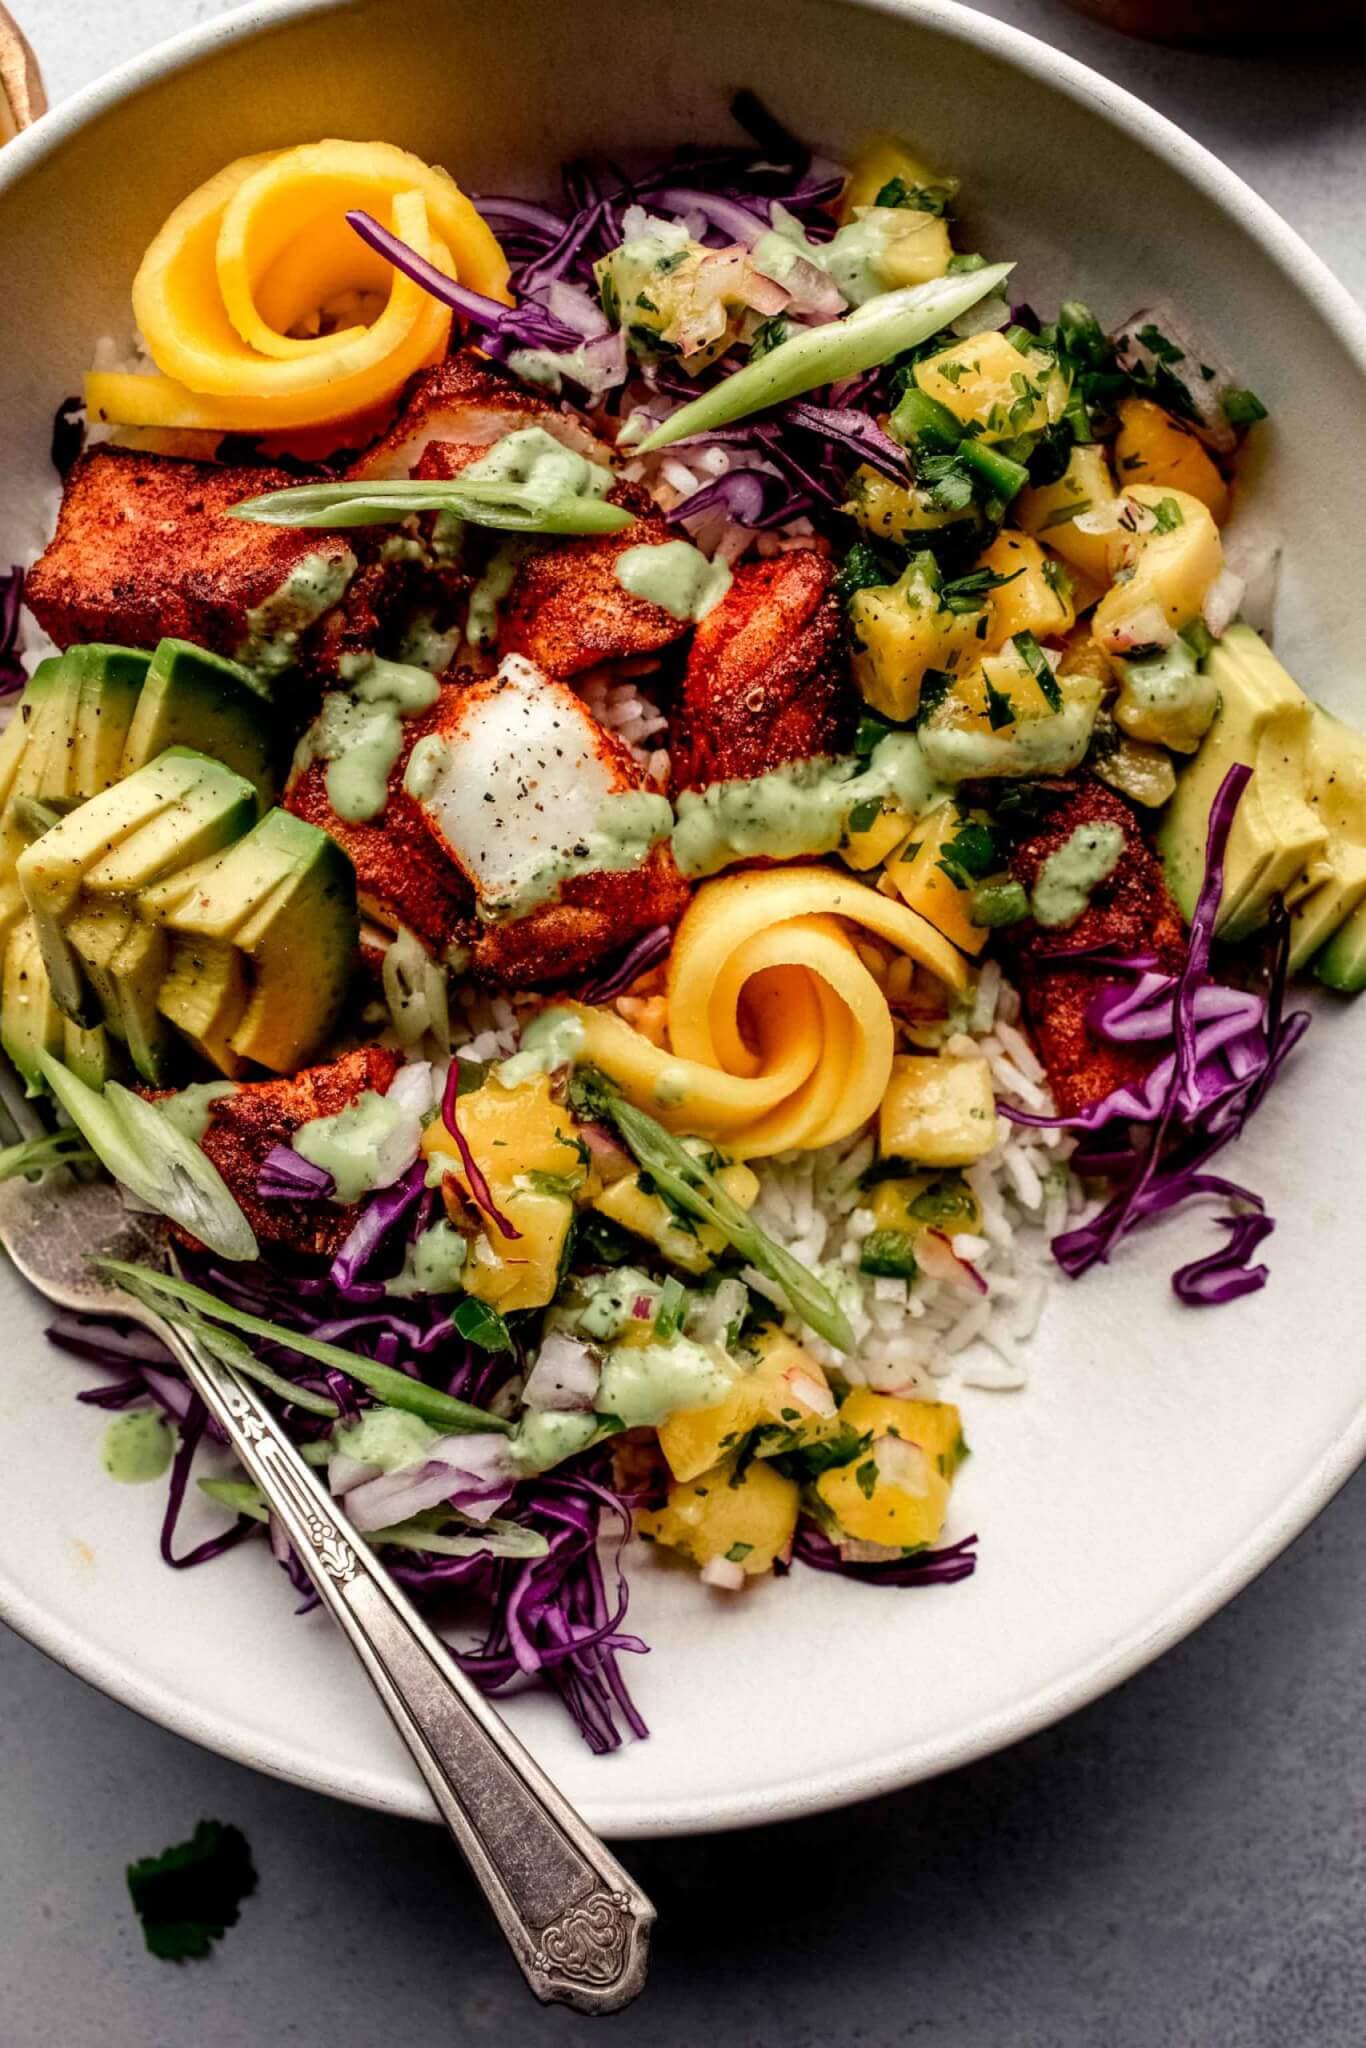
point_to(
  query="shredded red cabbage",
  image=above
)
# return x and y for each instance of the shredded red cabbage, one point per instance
(377, 1218)
(1227, 1047)
(480, 1190)
(811, 1546)
(642, 954)
(502, 328)
(845, 427)
(286, 1176)
(13, 675)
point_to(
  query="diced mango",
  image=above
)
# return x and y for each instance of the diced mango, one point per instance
(997, 719)
(1153, 448)
(649, 1215)
(895, 1492)
(1051, 510)
(510, 1131)
(865, 848)
(936, 1426)
(989, 384)
(785, 1387)
(1162, 572)
(928, 882)
(1038, 597)
(939, 1109)
(899, 511)
(900, 630)
(881, 164)
(747, 1518)
(520, 1272)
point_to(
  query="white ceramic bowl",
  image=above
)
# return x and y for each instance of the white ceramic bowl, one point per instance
(1162, 1456)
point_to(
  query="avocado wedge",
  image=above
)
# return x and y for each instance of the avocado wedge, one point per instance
(82, 878)
(1263, 723)
(283, 900)
(1336, 882)
(194, 699)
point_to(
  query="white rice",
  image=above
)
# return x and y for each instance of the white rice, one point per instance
(619, 699)
(914, 1336)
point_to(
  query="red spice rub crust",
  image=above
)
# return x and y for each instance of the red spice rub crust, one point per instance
(1130, 912)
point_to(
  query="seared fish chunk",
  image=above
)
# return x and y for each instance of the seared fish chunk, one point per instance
(568, 612)
(469, 401)
(1131, 912)
(766, 682)
(551, 822)
(245, 1124)
(144, 548)
(402, 875)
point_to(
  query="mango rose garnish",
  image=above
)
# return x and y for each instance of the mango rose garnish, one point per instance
(263, 310)
(780, 1037)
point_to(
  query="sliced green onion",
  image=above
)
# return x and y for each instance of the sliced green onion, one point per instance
(153, 1160)
(483, 502)
(479, 1324)
(154, 1288)
(922, 420)
(502, 1539)
(683, 1178)
(872, 334)
(38, 1155)
(1001, 473)
(234, 1351)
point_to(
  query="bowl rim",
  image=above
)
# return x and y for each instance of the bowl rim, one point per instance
(842, 1784)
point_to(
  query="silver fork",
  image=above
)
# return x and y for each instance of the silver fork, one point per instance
(577, 1923)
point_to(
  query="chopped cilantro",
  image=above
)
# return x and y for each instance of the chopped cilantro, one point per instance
(1157, 344)
(189, 1895)
(1036, 661)
(862, 568)
(1059, 579)
(935, 199)
(935, 685)
(806, 1461)
(1167, 515)
(1000, 707)
(1198, 638)
(645, 303)
(471, 1076)
(479, 1324)
(865, 814)
(770, 334)
(1243, 408)
(738, 1552)
(945, 1201)
(872, 730)
(964, 593)
(1063, 515)
(866, 1476)
(670, 1309)
(972, 849)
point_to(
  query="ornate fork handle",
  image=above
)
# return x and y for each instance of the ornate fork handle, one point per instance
(577, 1923)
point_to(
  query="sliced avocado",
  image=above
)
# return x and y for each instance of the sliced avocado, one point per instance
(284, 897)
(30, 1021)
(109, 683)
(1335, 883)
(195, 699)
(1342, 963)
(1262, 723)
(204, 994)
(81, 878)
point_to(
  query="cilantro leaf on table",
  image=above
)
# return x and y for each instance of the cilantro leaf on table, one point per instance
(189, 1895)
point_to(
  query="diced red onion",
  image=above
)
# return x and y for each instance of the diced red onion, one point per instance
(565, 1376)
(472, 1474)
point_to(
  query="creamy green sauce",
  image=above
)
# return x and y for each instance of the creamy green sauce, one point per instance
(855, 258)
(606, 1300)
(540, 466)
(481, 620)
(643, 1385)
(137, 1447)
(554, 1039)
(800, 809)
(276, 625)
(350, 1145)
(625, 827)
(422, 646)
(546, 1437)
(387, 1437)
(434, 1264)
(427, 763)
(1167, 699)
(191, 1109)
(1067, 877)
(676, 576)
(359, 731)
(1036, 746)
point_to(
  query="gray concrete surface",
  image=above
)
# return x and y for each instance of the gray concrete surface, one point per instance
(1181, 1866)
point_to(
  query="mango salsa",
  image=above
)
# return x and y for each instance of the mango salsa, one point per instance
(786, 1388)
(523, 1143)
(928, 881)
(993, 387)
(895, 1491)
(747, 1518)
(691, 1246)
(939, 1109)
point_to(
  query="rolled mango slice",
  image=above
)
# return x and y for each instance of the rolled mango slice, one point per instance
(781, 1037)
(263, 310)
